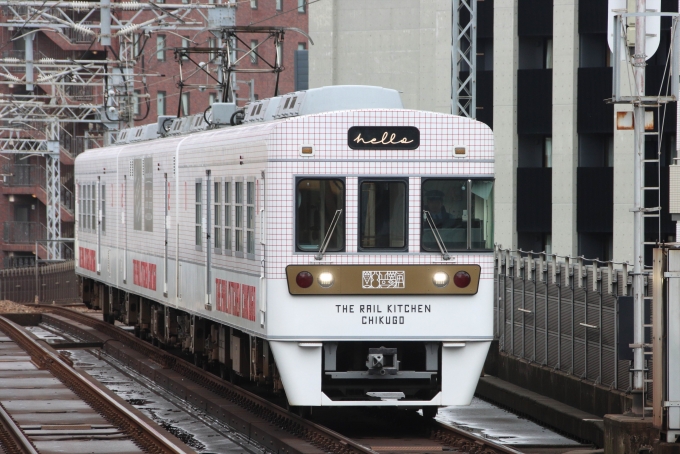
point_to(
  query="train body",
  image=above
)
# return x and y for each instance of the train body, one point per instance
(341, 252)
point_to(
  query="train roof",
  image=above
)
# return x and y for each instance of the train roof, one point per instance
(305, 102)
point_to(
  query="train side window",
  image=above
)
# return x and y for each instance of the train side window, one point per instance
(217, 235)
(227, 216)
(316, 202)
(462, 212)
(102, 199)
(250, 218)
(238, 217)
(383, 214)
(93, 207)
(79, 206)
(199, 215)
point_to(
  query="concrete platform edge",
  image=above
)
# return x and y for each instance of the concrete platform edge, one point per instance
(563, 418)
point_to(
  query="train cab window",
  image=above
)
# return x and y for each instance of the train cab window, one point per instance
(461, 211)
(318, 202)
(383, 214)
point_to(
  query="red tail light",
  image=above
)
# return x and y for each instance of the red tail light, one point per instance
(304, 279)
(461, 279)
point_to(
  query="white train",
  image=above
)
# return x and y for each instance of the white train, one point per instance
(334, 245)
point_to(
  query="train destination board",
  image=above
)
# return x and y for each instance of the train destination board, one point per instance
(383, 138)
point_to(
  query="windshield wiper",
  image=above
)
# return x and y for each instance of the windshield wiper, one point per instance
(329, 234)
(437, 236)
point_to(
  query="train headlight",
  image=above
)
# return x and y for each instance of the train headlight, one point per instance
(326, 279)
(440, 279)
(462, 279)
(304, 279)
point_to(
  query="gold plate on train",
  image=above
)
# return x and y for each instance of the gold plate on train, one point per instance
(382, 279)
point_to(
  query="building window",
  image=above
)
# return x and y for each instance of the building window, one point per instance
(136, 101)
(547, 151)
(302, 46)
(160, 103)
(185, 104)
(253, 4)
(136, 40)
(279, 5)
(238, 216)
(227, 216)
(102, 199)
(250, 220)
(253, 51)
(185, 44)
(212, 43)
(160, 47)
(301, 6)
(199, 214)
(217, 235)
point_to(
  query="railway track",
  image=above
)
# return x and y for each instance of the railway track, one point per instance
(47, 366)
(274, 435)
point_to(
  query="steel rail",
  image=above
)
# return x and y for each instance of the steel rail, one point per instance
(12, 438)
(316, 434)
(144, 435)
(309, 431)
(468, 442)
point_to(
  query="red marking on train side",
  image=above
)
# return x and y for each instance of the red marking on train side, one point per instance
(235, 299)
(144, 274)
(87, 259)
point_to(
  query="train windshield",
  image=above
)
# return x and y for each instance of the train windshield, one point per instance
(383, 215)
(317, 200)
(462, 212)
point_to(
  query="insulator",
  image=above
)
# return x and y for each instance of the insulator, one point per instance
(128, 29)
(10, 60)
(128, 6)
(46, 60)
(82, 29)
(78, 6)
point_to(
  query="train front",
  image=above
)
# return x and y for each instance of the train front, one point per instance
(379, 262)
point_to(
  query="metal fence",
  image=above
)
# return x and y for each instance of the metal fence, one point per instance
(24, 175)
(561, 312)
(19, 261)
(23, 232)
(56, 282)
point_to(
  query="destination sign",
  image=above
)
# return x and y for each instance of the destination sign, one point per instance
(383, 138)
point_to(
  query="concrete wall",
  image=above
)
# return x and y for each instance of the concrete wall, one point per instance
(400, 44)
(564, 138)
(505, 62)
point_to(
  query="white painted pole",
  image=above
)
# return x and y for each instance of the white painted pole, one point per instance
(639, 62)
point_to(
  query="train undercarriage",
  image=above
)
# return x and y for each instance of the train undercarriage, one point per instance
(352, 371)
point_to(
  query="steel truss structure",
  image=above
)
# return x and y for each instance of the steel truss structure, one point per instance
(67, 81)
(464, 58)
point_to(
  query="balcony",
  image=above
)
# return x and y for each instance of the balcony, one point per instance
(19, 261)
(23, 232)
(31, 179)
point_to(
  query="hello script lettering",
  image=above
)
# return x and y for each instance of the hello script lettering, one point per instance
(383, 141)
(383, 138)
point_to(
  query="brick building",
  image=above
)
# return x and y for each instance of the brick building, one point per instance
(22, 193)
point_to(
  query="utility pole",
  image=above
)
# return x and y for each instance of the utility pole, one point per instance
(639, 63)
